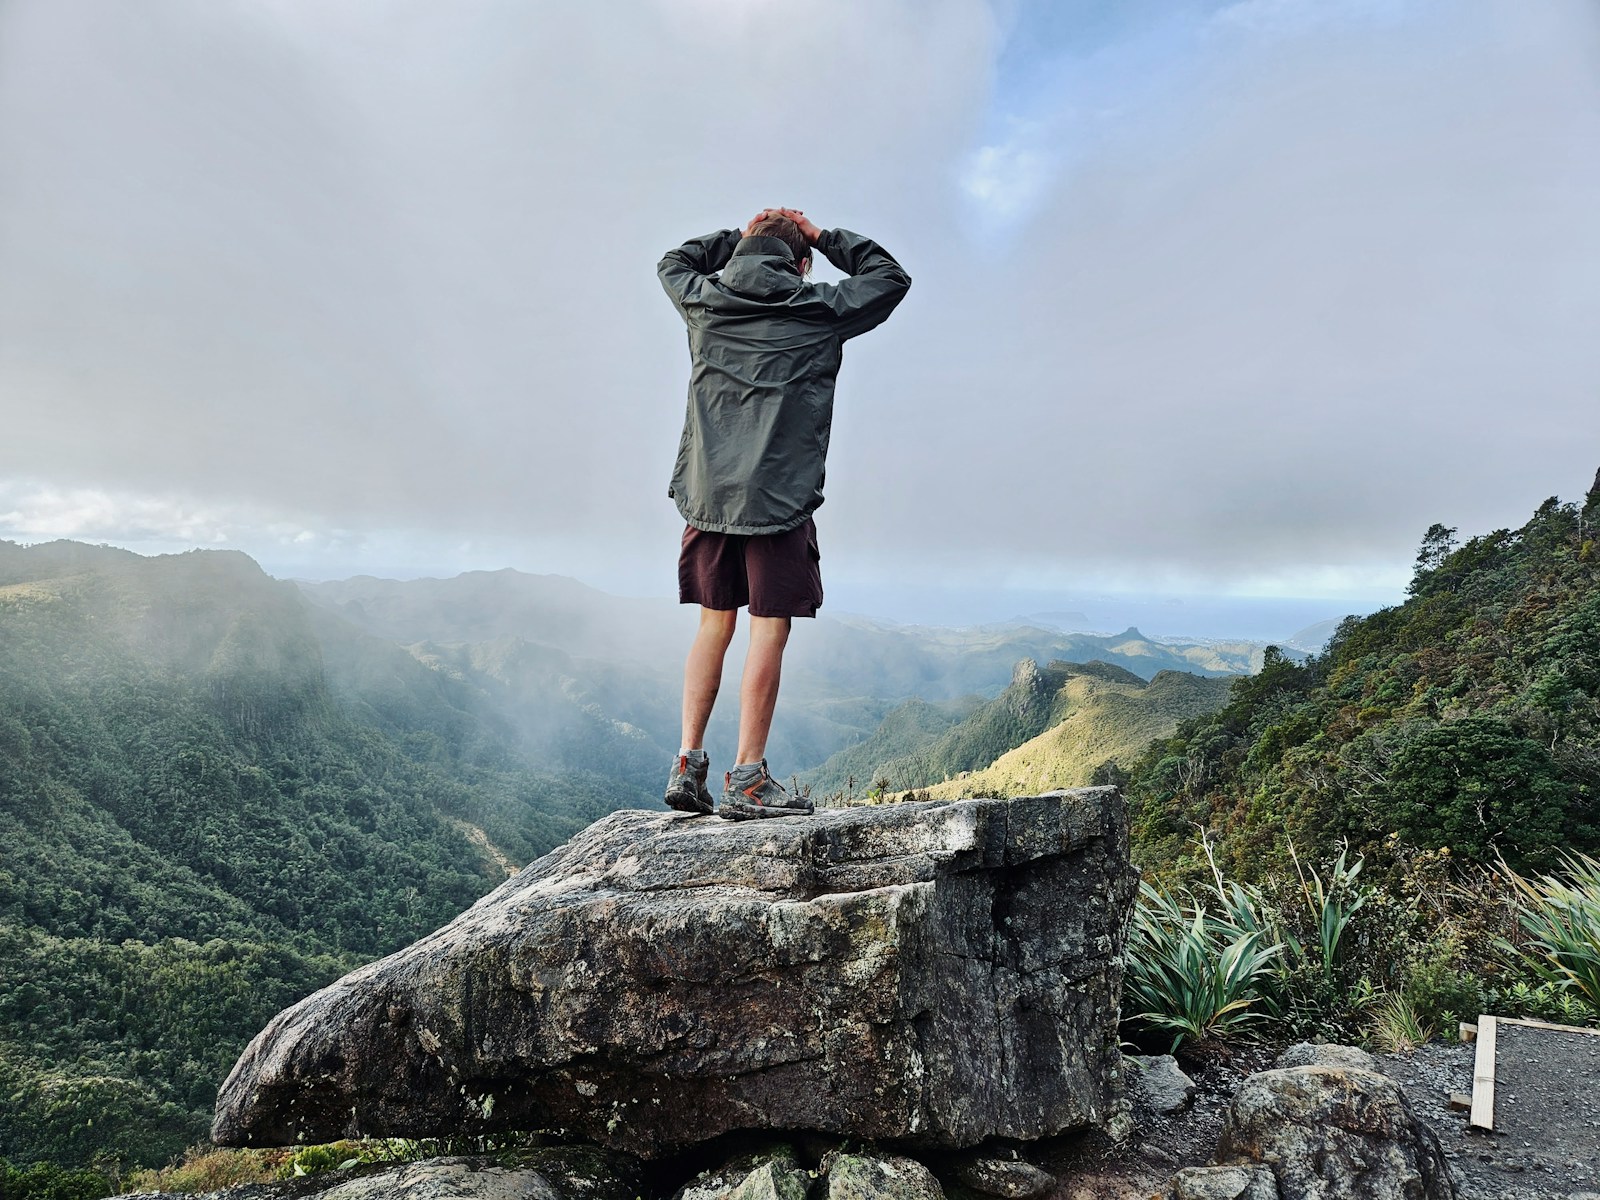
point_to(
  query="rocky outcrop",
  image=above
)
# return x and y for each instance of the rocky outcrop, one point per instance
(932, 974)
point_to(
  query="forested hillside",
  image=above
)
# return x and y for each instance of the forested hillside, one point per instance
(218, 791)
(1467, 717)
(211, 801)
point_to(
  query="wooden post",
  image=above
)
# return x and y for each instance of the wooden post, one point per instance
(1483, 1077)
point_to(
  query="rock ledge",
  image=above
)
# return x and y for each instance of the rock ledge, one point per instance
(930, 974)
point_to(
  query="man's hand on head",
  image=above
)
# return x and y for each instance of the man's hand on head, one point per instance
(808, 230)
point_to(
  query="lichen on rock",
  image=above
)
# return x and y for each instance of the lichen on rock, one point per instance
(1329, 1132)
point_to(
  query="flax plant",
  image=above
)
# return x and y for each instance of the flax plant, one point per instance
(1331, 906)
(1561, 917)
(1192, 975)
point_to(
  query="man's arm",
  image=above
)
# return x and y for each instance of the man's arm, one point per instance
(682, 271)
(877, 283)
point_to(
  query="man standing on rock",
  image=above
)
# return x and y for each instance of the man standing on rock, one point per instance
(765, 345)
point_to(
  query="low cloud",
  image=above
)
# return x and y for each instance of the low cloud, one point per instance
(1224, 292)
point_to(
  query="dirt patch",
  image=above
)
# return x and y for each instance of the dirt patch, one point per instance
(1092, 1167)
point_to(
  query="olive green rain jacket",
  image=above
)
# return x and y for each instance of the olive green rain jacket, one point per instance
(766, 347)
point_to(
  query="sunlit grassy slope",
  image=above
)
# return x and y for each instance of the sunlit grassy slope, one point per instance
(1102, 720)
(1103, 712)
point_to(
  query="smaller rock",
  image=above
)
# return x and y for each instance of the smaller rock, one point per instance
(1011, 1179)
(1157, 1082)
(872, 1176)
(771, 1174)
(1326, 1054)
(1253, 1182)
(557, 1173)
(1120, 1125)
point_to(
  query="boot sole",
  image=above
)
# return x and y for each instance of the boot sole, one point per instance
(684, 802)
(730, 811)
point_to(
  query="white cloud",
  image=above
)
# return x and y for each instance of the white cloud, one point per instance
(375, 281)
(37, 511)
(1009, 179)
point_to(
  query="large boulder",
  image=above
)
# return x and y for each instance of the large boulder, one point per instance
(1253, 1182)
(1007, 1178)
(1326, 1054)
(1330, 1132)
(933, 974)
(555, 1174)
(870, 1175)
(551, 1173)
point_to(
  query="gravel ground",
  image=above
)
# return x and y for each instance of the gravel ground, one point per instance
(1546, 1141)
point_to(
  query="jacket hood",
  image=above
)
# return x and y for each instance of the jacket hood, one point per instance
(762, 268)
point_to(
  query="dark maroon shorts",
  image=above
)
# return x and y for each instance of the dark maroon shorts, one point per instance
(776, 574)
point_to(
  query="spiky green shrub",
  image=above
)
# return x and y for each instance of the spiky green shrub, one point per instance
(1561, 918)
(1218, 961)
(1331, 904)
(1190, 974)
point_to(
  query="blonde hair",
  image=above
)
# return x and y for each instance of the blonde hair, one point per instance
(787, 232)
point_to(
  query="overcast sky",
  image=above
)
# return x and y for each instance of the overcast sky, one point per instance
(1209, 297)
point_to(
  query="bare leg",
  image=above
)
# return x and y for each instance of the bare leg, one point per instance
(702, 673)
(758, 691)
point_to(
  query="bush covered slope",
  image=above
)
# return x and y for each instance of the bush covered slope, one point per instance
(1467, 717)
(213, 799)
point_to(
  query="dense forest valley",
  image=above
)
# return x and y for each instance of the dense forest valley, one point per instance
(220, 791)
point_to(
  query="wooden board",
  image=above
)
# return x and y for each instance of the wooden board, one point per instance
(1482, 1116)
(1483, 1077)
(1532, 1024)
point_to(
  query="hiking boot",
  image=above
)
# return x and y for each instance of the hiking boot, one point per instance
(758, 794)
(686, 786)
